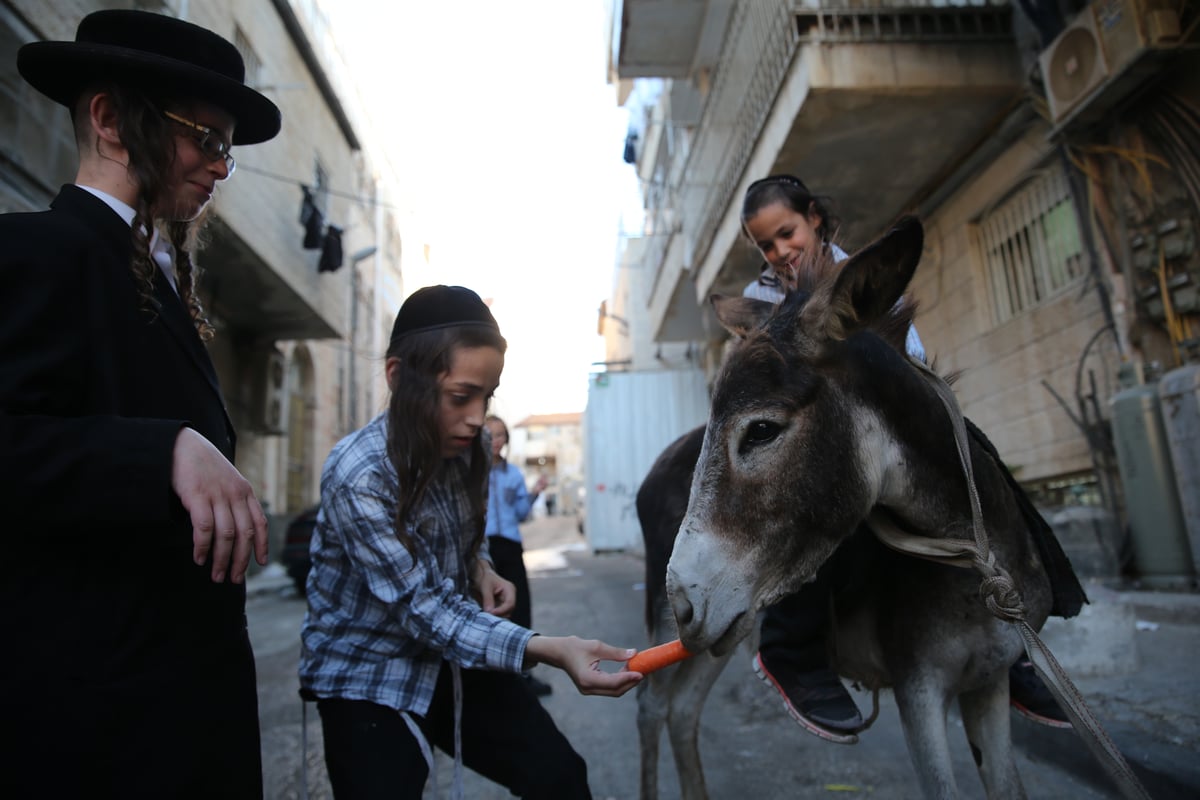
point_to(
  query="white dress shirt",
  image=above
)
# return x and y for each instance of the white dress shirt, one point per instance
(161, 250)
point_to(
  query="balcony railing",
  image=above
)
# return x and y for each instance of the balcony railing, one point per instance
(754, 59)
(757, 53)
(912, 21)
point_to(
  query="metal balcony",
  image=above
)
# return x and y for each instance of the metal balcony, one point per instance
(666, 38)
(870, 105)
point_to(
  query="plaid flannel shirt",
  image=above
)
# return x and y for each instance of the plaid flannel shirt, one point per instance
(380, 622)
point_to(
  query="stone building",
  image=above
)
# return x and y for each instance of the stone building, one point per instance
(297, 343)
(552, 445)
(1048, 156)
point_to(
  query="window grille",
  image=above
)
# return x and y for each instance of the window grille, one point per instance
(1031, 245)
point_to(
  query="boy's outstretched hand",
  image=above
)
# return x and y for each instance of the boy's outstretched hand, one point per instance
(580, 658)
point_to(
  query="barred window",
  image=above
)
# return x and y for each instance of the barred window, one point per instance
(1031, 245)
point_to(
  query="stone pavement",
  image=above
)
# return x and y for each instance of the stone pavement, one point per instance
(1135, 656)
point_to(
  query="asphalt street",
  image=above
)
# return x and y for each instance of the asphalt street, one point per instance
(749, 745)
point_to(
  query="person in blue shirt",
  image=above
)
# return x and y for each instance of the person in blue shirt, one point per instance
(509, 504)
(405, 643)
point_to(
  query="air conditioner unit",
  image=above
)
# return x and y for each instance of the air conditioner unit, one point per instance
(1097, 46)
(269, 399)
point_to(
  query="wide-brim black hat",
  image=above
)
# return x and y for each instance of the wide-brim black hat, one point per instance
(160, 54)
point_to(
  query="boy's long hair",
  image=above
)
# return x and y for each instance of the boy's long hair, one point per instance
(414, 438)
(148, 138)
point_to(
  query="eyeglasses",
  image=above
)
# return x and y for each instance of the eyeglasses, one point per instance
(208, 140)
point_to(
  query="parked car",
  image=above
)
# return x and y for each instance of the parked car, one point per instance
(295, 546)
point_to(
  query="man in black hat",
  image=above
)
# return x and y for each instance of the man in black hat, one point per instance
(128, 670)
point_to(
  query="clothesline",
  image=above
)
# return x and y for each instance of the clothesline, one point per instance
(275, 176)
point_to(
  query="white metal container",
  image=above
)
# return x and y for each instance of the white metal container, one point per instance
(1179, 391)
(631, 417)
(1161, 553)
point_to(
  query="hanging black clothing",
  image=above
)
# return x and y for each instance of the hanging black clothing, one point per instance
(331, 251)
(313, 221)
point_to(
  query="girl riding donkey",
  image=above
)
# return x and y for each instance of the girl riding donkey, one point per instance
(786, 222)
(821, 422)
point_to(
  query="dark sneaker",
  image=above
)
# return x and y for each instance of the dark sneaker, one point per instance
(816, 699)
(1030, 697)
(539, 688)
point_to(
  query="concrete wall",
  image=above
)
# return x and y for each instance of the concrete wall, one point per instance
(264, 210)
(1003, 365)
(260, 206)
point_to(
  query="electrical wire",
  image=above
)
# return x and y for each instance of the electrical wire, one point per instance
(1137, 158)
(1174, 326)
(1173, 125)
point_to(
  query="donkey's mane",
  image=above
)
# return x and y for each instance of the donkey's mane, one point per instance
(812, 283)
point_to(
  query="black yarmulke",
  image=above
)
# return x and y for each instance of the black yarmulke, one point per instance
(441, 307)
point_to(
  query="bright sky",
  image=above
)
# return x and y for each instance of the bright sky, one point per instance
(508, 139)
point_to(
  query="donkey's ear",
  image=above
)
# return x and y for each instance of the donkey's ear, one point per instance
(870, 282)
(740, 315)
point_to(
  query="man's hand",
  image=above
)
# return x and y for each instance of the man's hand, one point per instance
(496, 595)
(226, 517)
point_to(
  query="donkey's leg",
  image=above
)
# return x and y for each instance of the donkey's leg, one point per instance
(923, 703)
(691, 682)
(987, 722)
(654, 699)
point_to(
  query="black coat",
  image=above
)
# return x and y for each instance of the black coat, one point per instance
(127, 670)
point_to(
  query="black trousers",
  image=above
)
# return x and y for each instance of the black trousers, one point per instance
(795, 627)
(506, 736)
(508, 556)
(793, 630)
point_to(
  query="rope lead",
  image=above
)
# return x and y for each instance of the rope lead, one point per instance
(1002, 599)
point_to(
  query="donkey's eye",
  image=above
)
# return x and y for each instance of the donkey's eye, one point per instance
(761, 432)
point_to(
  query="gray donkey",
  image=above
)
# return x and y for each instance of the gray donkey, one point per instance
(675, 696)
(817, 423)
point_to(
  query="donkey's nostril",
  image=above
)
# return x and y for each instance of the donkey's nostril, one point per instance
(678, 599)
(683, 610)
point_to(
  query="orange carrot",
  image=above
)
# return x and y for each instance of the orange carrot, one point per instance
(655, 658)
